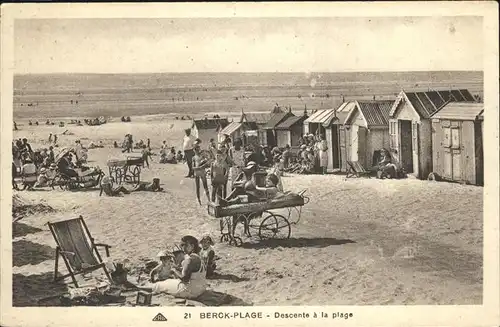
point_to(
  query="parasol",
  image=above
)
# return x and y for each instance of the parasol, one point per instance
(61, 154)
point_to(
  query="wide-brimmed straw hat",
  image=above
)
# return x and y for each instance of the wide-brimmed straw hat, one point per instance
(164, 253)
(43, 170)
(53, 166)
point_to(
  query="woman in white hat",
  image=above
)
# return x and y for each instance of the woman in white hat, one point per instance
(42, 179)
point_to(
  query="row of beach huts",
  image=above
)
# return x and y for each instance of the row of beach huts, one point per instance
(436, 134)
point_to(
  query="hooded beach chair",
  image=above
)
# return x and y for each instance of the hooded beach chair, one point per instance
(77, 248)
(356, 169)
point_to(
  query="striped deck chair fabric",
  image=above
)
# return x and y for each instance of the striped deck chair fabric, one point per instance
(356, 169)
(77, 248)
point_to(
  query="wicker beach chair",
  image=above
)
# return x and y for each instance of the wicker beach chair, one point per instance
(77, 248)
(355, 169)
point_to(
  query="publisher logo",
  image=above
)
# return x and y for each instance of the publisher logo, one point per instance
(159, 317)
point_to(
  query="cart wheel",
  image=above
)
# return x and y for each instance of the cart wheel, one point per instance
(118, 176)
(274, 226)
(56, 182)
(255, 220)
(136, 175)
(63, 183)
(236, 241)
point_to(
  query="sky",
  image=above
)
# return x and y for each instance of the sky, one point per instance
(248, 44)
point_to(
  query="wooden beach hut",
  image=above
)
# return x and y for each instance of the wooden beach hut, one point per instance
(328, 122)
(314, 123)
(237, 130)
(270, 127)
(367, 130)
(259, 120)
(290, 130)
(457, 143)
(208, 128)
(410, 127)
(333, 136)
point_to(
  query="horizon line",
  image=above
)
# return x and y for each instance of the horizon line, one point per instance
(257, 72)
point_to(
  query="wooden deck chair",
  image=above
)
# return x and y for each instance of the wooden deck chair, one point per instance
(356, 169)
(77, 248)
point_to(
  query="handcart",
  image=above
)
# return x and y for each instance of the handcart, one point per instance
(126, 170)
(259, 218)
(87, 177)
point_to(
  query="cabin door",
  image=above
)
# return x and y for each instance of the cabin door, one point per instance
(335, 151)
(406, 145)
(354, 143)
(452, 152)
(366, 162)
(343, 148)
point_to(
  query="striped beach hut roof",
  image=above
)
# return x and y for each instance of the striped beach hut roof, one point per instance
(375, 113)
(320, 116)
(291, 121)
(427, 103)
(460, 111)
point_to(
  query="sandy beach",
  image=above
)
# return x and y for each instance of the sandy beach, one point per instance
(359, 241)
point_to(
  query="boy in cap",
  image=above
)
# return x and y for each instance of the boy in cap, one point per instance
(218, 175)
(199, 170)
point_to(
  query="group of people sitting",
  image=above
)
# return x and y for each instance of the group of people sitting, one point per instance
(27, 163)
(169, 155)
(183, 271)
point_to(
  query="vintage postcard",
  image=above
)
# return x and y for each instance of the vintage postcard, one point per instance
(256, 164)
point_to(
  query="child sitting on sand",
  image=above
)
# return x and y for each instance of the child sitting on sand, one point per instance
(42, 179)
(170, 157)
(164, 270)
(179, 156)
(207, 255)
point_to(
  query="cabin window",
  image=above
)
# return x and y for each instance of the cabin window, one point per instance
(392, 133)
(455, 138)
(447, 137)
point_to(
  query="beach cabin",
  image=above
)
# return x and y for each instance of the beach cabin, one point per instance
(290, 130)
(457, 143)
(260, 120)
(270, 127)
(314, 123)
(327, 122)
(367, 130)
(410, 127)
(237, 130)
(333, 136)
(208, 128)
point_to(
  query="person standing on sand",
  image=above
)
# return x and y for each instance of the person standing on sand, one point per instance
(322, 148)
(50, 138)
(188, 148)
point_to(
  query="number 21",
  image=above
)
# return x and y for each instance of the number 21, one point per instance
(187, 315)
